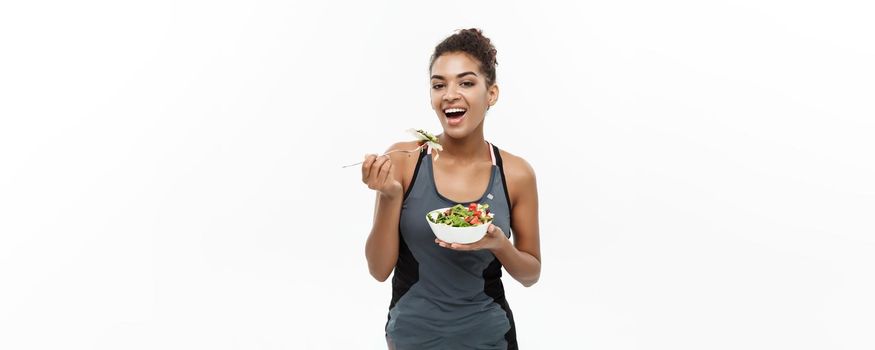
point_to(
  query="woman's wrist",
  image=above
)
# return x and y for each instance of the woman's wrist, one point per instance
(504, 245)
(392, 194)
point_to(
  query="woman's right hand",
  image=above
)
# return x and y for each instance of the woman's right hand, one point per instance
(378, 174)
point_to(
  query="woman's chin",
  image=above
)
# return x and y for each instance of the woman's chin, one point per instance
(455, 132)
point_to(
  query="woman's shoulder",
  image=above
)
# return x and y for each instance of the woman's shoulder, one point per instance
(405, 162)
(517, 169)
(403, 145)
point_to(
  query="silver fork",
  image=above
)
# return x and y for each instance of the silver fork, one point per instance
(397, 150)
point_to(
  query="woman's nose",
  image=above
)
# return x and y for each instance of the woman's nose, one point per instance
(451, 94)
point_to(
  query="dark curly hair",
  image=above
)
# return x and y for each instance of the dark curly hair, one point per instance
(472, 42)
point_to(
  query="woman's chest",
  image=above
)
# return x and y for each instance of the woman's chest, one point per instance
(463, 184)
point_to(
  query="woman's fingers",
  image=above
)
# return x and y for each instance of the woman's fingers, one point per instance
(442, 243)
(384, 172)
(377, 173)
(464, 247)
(458, 246)
(374, 173)
(366, 166)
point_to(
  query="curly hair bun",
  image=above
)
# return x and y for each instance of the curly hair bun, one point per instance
(472, 42)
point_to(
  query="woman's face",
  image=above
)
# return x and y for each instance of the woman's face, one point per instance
(459, 94)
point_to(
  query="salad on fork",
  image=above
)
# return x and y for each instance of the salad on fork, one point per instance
(425, 138)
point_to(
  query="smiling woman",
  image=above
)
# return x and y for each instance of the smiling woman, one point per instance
(450, 295)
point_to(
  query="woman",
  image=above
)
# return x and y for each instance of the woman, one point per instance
(450, 296)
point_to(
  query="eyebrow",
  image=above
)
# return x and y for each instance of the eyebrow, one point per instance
(457, 75)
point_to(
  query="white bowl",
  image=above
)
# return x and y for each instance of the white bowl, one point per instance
(450, 234)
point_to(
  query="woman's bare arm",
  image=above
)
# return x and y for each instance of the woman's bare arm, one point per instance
(381, 248)
(384, 176)
(522, 259)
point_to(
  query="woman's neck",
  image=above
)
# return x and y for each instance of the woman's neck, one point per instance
(465, 150)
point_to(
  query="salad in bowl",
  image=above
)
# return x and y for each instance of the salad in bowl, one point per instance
(460, 224)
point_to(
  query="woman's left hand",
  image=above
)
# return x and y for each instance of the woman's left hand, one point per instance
(494, 239)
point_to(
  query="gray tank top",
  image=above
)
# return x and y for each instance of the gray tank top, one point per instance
(442, 298)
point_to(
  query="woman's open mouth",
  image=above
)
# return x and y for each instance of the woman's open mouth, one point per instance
(455, 115)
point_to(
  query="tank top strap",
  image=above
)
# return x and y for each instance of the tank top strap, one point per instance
(416, 173)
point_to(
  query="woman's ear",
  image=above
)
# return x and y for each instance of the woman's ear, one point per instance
(492, 94)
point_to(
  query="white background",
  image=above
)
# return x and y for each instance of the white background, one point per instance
(170, 171)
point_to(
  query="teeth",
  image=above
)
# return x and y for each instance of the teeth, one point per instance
(451, 110)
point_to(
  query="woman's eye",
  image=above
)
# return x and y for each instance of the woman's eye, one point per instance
(467, 84)
(437, 86)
